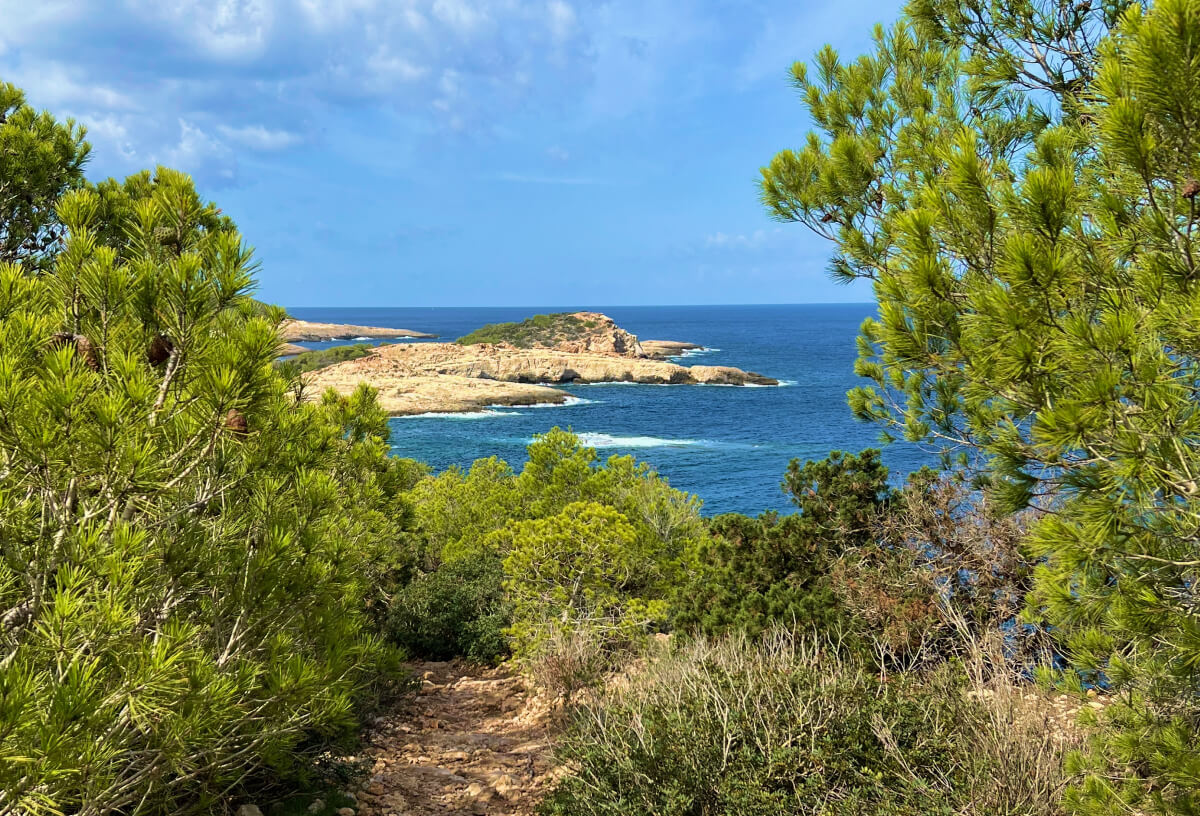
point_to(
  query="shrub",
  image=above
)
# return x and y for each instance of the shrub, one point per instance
(756, 572)
(533, 331)
(584, 569)
(458, 609)
(943, 570)
(731, 728)
(321, 358)
(790, 725)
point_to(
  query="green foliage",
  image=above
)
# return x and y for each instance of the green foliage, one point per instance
(188, 553)
(40, 160)
(539, 330)
(320, 358)
(1020, 183)
(757, 572)
(586, 568)
(634, 521)
(784, 726)
(458, 609)
(943, 572)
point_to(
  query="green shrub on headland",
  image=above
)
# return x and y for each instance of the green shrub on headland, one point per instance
(321, 358)
(543, 329)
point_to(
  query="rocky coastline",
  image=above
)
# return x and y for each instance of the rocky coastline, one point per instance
(301, 331)
(418, 378)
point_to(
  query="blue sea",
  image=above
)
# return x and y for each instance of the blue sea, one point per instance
(730, 446)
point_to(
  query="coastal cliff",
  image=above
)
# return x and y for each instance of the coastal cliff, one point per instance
(584, 347)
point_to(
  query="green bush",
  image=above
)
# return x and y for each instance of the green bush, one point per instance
(788, 724)
(544, 330)
(320, 358)
(458, 609)
(757, 572)
(585, 569)
(782, 727)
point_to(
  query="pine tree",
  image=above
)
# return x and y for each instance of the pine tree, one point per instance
(1020, 182)
(188, 550)
(40, 159)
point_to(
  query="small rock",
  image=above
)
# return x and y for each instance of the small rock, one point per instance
(249, 810)
(506, 786)
(478, 790)
(350, 796)
(1096, 705)
(428, 675)
(457, 756)
(375, 789)
(345, 811)
(317, 806)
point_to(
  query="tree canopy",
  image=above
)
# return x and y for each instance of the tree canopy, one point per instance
(1019, 183)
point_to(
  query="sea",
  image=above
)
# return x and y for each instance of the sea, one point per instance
(728, 445)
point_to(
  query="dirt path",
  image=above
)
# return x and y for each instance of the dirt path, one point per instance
(473, 741)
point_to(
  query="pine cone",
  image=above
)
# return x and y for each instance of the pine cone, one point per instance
(83, 347)
(235, 422)
(1191, 188)
(160, 349)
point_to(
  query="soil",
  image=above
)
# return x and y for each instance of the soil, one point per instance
(474, 740)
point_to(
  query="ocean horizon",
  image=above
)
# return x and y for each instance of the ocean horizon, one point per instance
(728, 445)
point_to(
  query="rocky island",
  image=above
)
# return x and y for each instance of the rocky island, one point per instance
(516, 364)
(299, 331)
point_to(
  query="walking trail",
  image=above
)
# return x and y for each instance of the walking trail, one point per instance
(473, 741)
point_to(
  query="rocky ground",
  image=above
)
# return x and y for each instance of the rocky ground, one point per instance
(293, 331)
(474, 741)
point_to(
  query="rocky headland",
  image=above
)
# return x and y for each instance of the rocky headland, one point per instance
(467, 375)
(300, 331)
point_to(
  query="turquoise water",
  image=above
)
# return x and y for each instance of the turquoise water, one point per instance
(730, 446)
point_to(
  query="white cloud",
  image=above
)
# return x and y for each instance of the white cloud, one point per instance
(198, 153)
(757, 239)
(562, 20)
(267, 74)
(257, 137)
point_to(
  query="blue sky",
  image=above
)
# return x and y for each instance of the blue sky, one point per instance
(460, 152)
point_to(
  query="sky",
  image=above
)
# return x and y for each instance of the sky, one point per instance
(461, 152)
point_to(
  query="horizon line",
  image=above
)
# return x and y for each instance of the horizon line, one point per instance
(594, 306)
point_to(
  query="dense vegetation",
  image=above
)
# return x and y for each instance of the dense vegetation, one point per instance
(539, 330)
(321, 358)
(189, 553)
(206, 579)
(1020, 184)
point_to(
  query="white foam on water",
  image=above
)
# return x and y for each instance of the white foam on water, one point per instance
(567, 403)
(603, 440)
(683, 355)
(484, 414)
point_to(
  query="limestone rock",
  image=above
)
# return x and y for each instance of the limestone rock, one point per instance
(293, 331)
